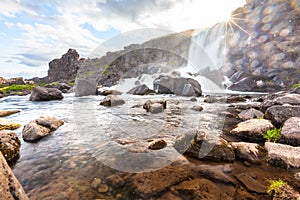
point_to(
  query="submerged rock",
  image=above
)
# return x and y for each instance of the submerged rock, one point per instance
(252, 130)
(45, 94)
(112, 100)
(40, 127)
(4, 113)
(283, 155)
(10, 188)
(9, 145)
(290, 132)
(8, 124)
(155, 106)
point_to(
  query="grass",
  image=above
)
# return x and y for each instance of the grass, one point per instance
(105, 69)
(17, 88)
(275, 186)
(296, 85)
(272, 135)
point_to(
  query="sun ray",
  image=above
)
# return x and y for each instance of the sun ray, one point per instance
(229, 22)
(237, 18)
(242, 29)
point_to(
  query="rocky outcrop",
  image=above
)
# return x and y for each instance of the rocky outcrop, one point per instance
(283, 155)
(264, 46)
(9, 145)
(45, 94)
(177, 85)
(252, 130)
(112, 100)
(290, 132)
(64, 69)
(10, 188)
(8, 124)
(40, 127)
(4, 113)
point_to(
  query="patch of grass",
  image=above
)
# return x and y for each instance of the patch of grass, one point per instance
(17, 88)
(105, 69)
(72, 83)
(272, 135)
(275, 186)
(296, 85)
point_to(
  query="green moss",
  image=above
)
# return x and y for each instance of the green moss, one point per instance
(272, 135)
(275, 186)
(105, 69)
(17, 88)
(72, 83)
(296, 85)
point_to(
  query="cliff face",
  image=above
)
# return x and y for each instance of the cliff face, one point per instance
(264, 50)
(65, 68)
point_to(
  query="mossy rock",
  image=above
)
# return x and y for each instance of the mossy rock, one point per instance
(7, 124)
(9, 145)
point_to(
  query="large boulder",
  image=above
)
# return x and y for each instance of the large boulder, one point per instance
(85, 87)
(40, 127)
(290, 132)
(112, 100)
(45, 94)
(4, 113)
(177, 85)
(9, 145)
(283, 155)
(252, 130)
(10, 188)
(140, 90)
(279, 114)
(8, 124)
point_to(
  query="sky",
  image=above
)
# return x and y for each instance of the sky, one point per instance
(34, 32)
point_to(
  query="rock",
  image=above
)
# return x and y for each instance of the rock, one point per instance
(10, 188)
(215, 149)
(296, 90)
(112, 100)
(9, 145)
(40, 127)
(102, 188)
(251, 114)
(234, 99)
(193, 99)
(283, 155)
(109, 92)
(65, 68)
(8, 124)
(85, 87)
(279, 114)
(250, 183)
(63, 87)
(252, 130)
(292, 99)
(250, 152)
(284, 192)
(178, 85)
(140, 90)
(115, 181)
(210, 99)
(45, 94)
(197, 108)
(155, 106)
(157, 144)
(4, 113)
(148, 184)
(290, 132)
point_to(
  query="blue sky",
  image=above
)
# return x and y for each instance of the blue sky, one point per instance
(33, 32)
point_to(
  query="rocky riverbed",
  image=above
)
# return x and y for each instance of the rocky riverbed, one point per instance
(208, 147)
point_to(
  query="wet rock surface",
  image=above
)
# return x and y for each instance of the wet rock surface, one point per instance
(251, 152)
(4, 113)
(279, 114)
(8, 124)
(9, 145)
(290, 132)
(112, 100)
(45, 94)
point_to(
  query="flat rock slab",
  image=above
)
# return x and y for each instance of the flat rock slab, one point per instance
(148, 184)
(251, 184)
(10, 188)
(253, 129)
(8, 124)
(4, 113)
(9, 145)
(283, 155)
(291, 131)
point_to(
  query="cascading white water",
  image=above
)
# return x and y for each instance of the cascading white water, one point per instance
(206, 54)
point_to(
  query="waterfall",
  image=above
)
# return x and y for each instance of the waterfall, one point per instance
(206, 56)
